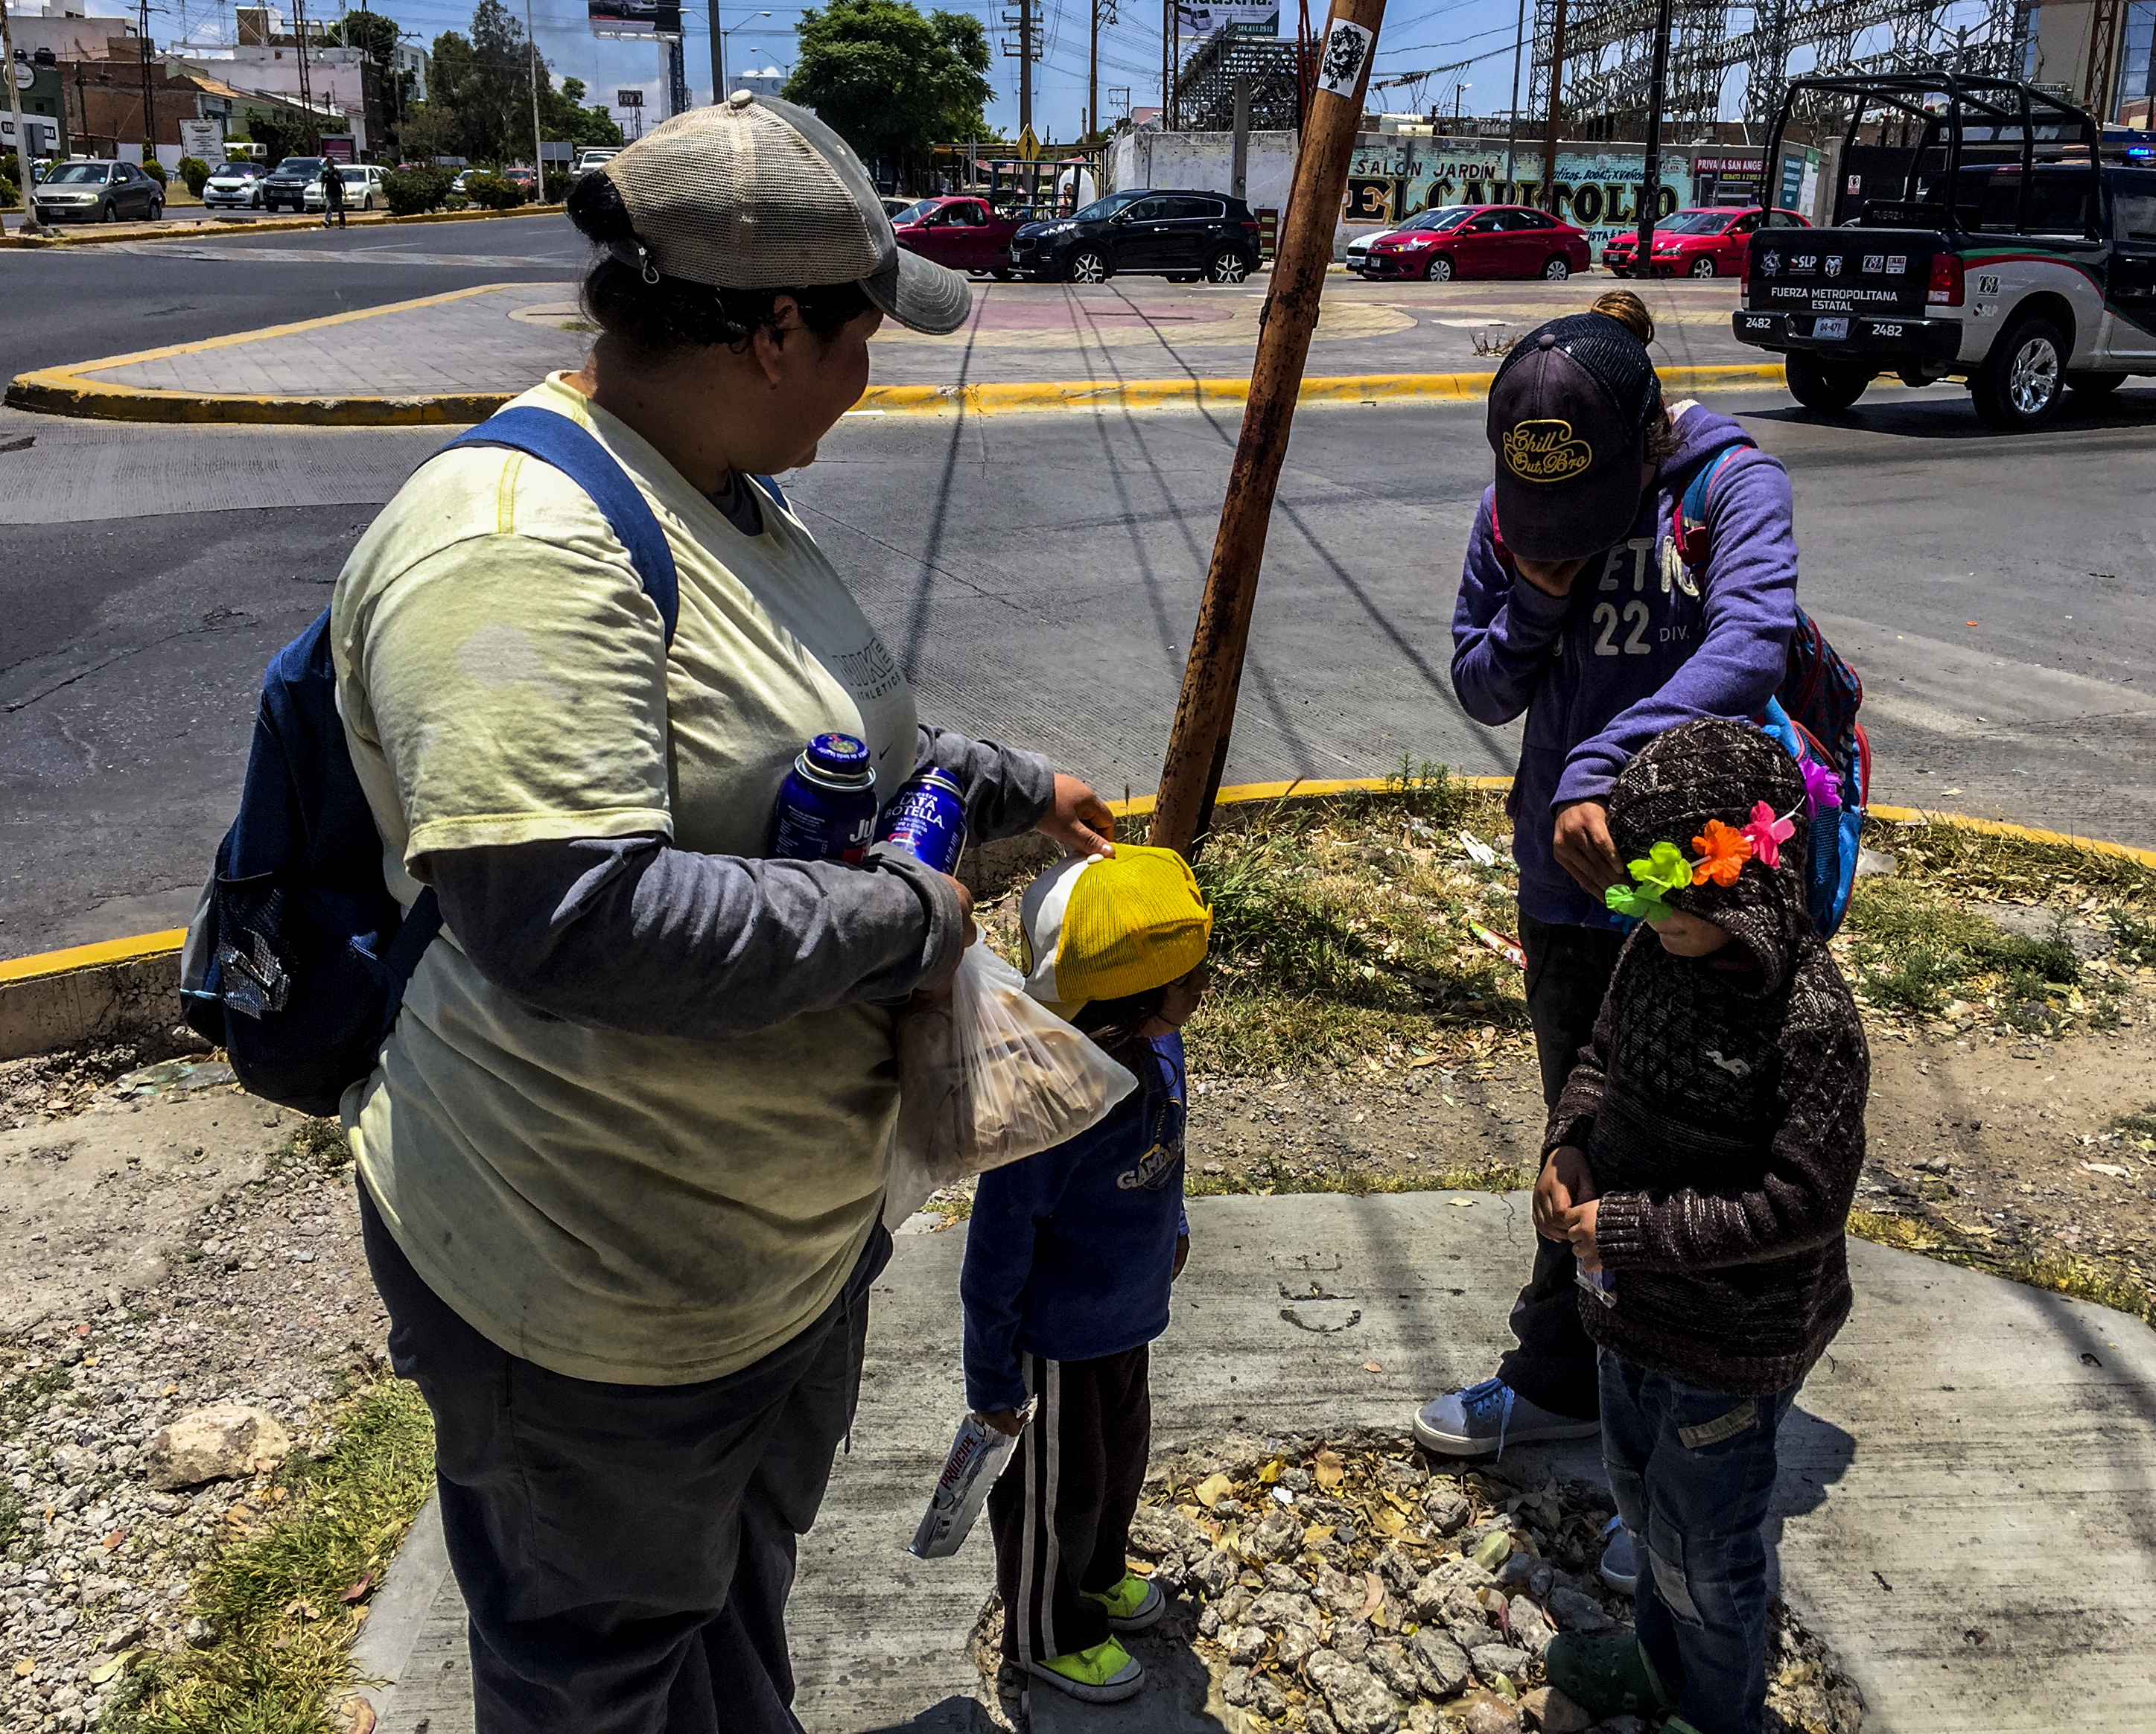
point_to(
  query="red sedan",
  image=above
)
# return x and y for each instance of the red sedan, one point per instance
(1479, 241)
(961, 231)
(1707, 241)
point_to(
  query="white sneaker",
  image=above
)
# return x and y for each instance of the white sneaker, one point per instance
(1480, 1420)
(1620, 1560)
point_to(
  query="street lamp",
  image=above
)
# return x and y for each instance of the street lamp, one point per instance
(1458, 92)
(719, 51)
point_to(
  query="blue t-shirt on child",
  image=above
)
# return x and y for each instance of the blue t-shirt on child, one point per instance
(1070, 1253)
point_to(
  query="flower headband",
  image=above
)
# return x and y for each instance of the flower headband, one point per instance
(1723, 851)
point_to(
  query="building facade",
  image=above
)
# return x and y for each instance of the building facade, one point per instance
(2100, 53)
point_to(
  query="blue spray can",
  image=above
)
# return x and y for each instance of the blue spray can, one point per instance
(827, 806)
(928, 820)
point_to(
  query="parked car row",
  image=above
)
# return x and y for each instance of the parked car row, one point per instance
(1706, 241)
(1474, 241)
(1181, 235)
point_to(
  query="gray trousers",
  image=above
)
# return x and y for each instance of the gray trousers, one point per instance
(626, 1550)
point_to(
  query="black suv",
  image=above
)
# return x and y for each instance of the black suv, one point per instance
(1180, 235)
(290, 180)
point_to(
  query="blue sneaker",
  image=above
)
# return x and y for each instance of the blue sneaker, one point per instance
(1620, 1560)
(1480, 1420)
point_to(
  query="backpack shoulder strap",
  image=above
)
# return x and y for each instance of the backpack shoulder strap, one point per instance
(556, 439)
(1693, 540)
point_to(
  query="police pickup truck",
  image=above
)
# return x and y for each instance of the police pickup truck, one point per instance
(1990, 233)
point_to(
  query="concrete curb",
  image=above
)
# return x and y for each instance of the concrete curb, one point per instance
(268, 226)
(121, 988)
(66, 390)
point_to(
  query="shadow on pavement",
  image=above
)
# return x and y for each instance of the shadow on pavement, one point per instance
(1941, 415)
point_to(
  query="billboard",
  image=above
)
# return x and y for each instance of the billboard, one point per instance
(657, 19)
(1199, 18)
(1598, 191)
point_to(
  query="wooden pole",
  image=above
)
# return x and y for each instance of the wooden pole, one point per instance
(1204, 714)
(1651, 188)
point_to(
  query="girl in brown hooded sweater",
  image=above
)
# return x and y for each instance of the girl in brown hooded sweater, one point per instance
(1702, 1160)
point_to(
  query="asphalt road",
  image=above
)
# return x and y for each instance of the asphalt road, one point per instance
(73, 304)
(1037, 577)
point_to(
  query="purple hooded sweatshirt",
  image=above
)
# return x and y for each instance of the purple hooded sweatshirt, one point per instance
(1629, 652)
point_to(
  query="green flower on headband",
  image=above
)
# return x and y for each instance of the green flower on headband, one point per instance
(1665, 869)
(1643, 904)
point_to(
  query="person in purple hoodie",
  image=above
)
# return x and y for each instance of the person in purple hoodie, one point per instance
(1575, 608)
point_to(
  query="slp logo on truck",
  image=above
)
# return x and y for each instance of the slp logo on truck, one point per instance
(1546, 451)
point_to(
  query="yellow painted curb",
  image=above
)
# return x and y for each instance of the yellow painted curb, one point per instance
(2001, 828)
(105, 950)
(69, 391)
(266, 225)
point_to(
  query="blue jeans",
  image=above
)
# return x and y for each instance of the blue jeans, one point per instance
(1693, 1473)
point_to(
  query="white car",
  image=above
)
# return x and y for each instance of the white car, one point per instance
(235, 184)
(362, 188)
(593, 157)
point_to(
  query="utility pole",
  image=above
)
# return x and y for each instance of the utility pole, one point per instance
(149, 114)
(1024, 65)
(718, 56)
(1240, 163)
(1093, 64)
(1512, 123)
(306, 91)
(30, 225)
(1549, 133)
(677, 78)
(1206, 711)
(538, 158)
(1651, 190)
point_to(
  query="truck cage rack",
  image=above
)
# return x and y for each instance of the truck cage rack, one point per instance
(2010, 111)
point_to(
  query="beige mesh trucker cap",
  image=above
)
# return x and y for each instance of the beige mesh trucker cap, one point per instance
(755, 193)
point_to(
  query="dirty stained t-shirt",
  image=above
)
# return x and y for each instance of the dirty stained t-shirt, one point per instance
(624, 1207)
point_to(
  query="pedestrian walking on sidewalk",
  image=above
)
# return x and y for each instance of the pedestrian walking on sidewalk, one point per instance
(1575, 608)
(622, 1159)
(1700, 1165)
(1068, 1263)
(332, 194)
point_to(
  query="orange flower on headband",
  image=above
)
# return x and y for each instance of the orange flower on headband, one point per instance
(1723, 851)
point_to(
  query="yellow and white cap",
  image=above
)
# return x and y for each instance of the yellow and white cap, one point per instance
(1103, 926)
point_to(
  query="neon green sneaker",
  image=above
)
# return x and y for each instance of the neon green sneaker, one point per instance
(1106, 1673)
(1133, 1604)
(1606, 1674)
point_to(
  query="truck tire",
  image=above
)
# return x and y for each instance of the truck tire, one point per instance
(2017, 389)
(2093, 385)
(1824, 384)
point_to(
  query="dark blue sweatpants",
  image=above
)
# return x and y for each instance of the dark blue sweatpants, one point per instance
(626, 1550)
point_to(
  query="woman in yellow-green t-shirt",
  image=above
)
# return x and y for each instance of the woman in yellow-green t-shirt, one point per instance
(623, 1158)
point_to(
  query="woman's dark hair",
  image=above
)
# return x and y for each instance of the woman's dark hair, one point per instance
(1114, 1023)
(673, 313)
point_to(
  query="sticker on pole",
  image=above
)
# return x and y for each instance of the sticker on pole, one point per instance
(1346, 46)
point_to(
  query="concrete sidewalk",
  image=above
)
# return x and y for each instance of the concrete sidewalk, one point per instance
(1138, 340)
(1966, 1512)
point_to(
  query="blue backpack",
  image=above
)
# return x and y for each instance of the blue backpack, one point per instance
(1813, 716)
(298, 955)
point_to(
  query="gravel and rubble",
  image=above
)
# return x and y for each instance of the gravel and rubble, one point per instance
(259, 1296)
(1352, 1585)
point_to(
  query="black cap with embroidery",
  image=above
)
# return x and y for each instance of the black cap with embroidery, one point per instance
(1569, 411)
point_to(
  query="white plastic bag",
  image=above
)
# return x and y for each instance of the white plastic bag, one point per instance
(986, 1075)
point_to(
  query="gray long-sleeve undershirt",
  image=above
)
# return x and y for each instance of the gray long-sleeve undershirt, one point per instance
(632, 934)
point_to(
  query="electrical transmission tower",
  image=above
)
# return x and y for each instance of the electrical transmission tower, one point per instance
(1608, 46)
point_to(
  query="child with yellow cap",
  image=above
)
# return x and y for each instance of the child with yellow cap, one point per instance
(1068, 1257)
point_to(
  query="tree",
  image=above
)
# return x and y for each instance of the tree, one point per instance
(890, 82)
(479, 102)
(378, 35)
